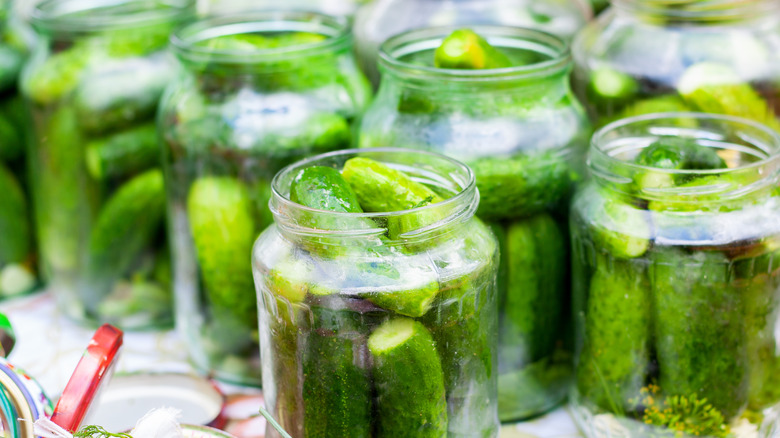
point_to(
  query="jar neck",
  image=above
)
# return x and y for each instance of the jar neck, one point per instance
(406, 61)
(299, 223)
(751, 151)
(202, 47)
(698, 12)
(147, 23)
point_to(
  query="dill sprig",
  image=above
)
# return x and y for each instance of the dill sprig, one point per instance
(683, 415)
(93, 431)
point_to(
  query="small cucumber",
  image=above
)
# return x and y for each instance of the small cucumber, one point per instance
(623, 230)
(464, 49)
(124, 153)
(336, 387)
(221, 219)
(409, 384)
(381, 188)
(125, 228)
(324, 188)
(609, 89)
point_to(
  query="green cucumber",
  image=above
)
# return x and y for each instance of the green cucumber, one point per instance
(408, 379)
(700, 336)
(623, 229)
(659, 104)
(536, 264)
(336, 387)
(523, 185)
(609, 89)
(717, 88)
(125, 227)
(59, 74)
(14, 220)
(124, 153)
(414, 302)
(324, 188)
(464, 49)
(613, 364)
(381, 188)
(220, 211)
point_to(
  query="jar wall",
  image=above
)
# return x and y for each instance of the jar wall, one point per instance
(677, 293)
(382, 19)
(323, 307)
(632, 61)
(228, 124)
(92, 86)
(524, 134)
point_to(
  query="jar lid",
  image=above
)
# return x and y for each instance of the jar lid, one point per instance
(93, 370)
(129, 397)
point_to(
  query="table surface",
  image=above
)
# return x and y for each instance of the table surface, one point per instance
(48, 347)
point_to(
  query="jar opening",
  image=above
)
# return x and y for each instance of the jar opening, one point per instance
(200, 41)
(750, 151)
(702, 11)
(535, 53)
(446, 176)
(95, 15)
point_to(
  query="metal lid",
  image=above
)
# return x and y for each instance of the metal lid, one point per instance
(93, 370)
(129, 397)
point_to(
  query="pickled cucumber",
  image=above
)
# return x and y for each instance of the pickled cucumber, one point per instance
(124, 153)
(464, 49)
(409, 384)
(14, 220)
(613, 364)
(128, 223)
(223, 230)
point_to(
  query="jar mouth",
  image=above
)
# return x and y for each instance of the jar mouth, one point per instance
(186, 40)
(555, 53)
(701, 11)
(94, 15)
(434, 169)
(750, 149)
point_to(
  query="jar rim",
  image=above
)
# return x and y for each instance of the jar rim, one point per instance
(184, 40)
(94, 15)
(701, 11)
(467, 195)
(417, 40)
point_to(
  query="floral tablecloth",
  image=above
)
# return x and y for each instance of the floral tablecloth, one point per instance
(48, 347)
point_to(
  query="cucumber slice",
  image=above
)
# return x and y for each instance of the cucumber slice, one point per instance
(409, 384)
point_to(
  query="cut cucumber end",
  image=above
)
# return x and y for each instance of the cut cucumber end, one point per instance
(390, 335)
(706, 74)
(15, 279)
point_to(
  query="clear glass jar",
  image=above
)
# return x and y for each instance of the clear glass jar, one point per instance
(366, 332)
(382, 19)
(92, 86)
(17, 253)
(677, 282)
(338, 8)
(714, 56)
(524, 134)
(259, 92)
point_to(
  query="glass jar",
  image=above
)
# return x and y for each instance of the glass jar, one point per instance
(677, 282)
(369, 331)
(524, 134)
(338, 8)
(714, 56)
(260, 91)
(92, 86)
(381, 19)
(17, 255)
